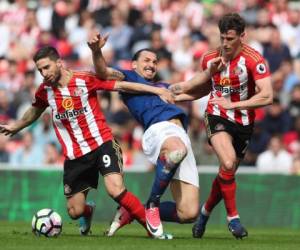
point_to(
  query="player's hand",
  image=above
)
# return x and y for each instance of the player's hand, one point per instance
(166, 95)
(177, 88)
(222, 101)
(97, 42)
(216, 65)
(8, 129)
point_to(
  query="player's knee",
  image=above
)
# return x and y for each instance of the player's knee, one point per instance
(229, 165)
(188, 215)
(114, 184)
(115, 190)
(176, 156)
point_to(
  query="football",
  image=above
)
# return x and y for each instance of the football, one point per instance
(46, 222)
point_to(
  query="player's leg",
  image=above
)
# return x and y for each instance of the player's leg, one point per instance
(79, 177)
(214, 198)
(115, 188)
(111, 167)
(222, 143)
(172, 152)
(185, 207)
(76, 205)
(185, 190)
(78, 208)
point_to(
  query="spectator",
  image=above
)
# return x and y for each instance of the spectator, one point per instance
(142, 33)
(12, 79)
(296, 166)
(119, 34)
(7, 111)
(52, 155)
(294, 105)
(250, 11)
(277, 120)
(4, 154)
(28, 154)
(291, 139)
(276, 51)
(258, 144)
(43, 132)
(290, 77)
(276, 159)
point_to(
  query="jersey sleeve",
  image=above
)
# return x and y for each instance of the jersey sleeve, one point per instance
(100, 84)
(203, 63)
(40, 98)
(259, 68)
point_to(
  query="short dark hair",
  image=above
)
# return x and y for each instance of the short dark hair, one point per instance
(45, 52)
(232, 21)
(138, 53)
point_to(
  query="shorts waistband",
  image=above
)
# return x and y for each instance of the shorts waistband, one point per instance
(176, 121)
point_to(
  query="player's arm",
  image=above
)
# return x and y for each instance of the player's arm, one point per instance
(193, 89)
(32, 114)
(96, 43)
(138, 88)
(263, 97)
(199, 85)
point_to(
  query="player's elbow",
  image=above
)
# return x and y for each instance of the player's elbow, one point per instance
(269, 98)
(102, 74)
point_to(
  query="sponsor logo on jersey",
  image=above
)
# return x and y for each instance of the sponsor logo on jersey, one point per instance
(261, 68)
(67, 103)
(70, 113)
(229, 89)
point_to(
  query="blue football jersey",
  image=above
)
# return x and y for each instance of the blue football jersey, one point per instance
(149, 109)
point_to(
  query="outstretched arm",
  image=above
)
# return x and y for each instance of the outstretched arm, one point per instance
(199, 85)
(96, 43)
(192, 89)
(132, 87)
(28, 118)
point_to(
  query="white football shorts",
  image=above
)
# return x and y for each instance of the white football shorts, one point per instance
(153, 140)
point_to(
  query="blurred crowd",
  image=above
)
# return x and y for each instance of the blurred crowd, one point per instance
(180, 31)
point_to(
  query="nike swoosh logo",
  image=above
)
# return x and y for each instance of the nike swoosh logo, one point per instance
(150, 228)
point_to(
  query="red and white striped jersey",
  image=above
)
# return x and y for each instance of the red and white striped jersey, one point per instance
(236, 82)
(79, 123)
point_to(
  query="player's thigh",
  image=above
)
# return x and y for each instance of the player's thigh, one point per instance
(222, 144)
(186, 197)
(111, 167)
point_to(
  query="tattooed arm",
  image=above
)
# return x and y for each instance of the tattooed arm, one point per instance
(96, 43)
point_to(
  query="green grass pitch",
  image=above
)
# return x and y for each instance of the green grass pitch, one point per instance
(18, 235)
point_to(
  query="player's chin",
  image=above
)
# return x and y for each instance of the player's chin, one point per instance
(149, 76)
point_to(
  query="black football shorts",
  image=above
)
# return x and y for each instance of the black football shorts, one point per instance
(241, 134)
(82, 174)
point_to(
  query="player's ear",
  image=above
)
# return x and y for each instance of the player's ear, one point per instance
(242, 35)
(59, 63)
(134, 65)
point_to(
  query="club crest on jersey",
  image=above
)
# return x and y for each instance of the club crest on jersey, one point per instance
(219, 127)
(225, 81)
(67, 189)
(78, 92)
(261, 68)
(238, 71)
(68, 104)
